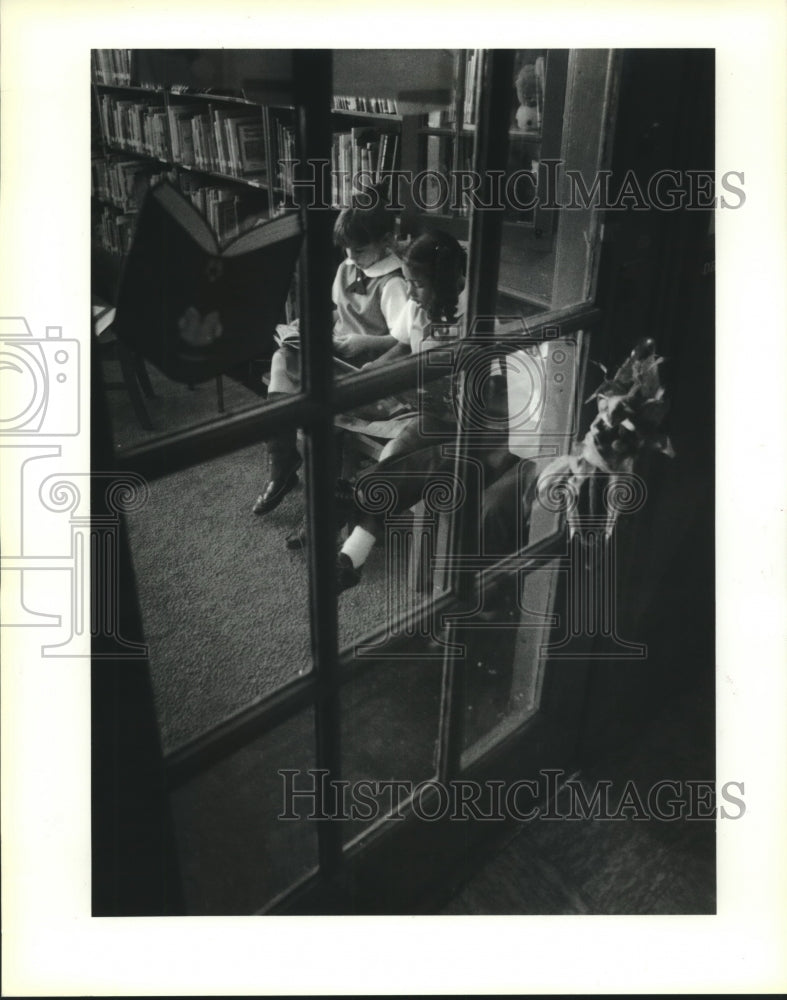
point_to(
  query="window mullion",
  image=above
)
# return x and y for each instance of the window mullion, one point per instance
(313, 76)
(490, 153)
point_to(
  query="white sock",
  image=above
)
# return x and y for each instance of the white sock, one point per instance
(359, 545)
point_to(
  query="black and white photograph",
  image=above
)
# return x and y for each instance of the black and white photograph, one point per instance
(383, 508)
(429, 630)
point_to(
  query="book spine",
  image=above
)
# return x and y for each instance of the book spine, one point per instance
(251, 146)
(174, 133)
(234, 148)
(219, 125)
(196, 141)
(211, 147)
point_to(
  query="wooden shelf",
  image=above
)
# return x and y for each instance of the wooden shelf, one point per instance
(468, 130)
(198, 95)
(378, 116)
(532, 135)
(116, 148)
(259, 183)
(133, 87)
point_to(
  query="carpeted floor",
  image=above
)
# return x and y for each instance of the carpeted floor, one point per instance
(224, 603)
(224, 607)
(173, 406)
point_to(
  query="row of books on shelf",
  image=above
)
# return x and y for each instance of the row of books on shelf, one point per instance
(361, 150)
(444, 117)
(124, 183)
(111, 66)
(221, 208)
(283, 156)
(113, 231)
(472, 72)
(366, 105)
(140, 127)
(228, 141)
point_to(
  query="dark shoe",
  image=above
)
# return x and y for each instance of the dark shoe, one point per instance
(273, 494)
(297, 539)
(345, 511)
(346, 574)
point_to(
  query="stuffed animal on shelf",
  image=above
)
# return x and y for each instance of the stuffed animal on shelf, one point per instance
(529, 86)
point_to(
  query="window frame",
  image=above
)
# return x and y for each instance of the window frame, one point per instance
(313, 409)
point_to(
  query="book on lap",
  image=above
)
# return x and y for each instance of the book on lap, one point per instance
(384, 416)
(192, 307)
(288, 336)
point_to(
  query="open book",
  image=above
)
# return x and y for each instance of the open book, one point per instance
(289, 335)
(193, 308)
(379, 411)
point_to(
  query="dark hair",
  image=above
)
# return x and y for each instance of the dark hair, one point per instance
(441, 261)
(368, 219)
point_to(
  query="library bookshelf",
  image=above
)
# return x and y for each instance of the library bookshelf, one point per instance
(233, 153)
(230, 155)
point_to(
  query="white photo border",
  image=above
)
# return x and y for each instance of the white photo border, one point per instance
(51, 943)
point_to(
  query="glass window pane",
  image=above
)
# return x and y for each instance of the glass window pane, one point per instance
(505, 657)
(559, 104)
(390, 718)
(145, 405)
(543, 380)
(224, 602)
(235, 852)
(397, 478)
